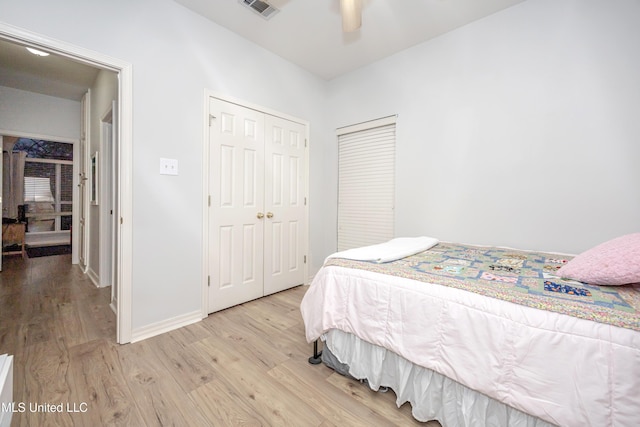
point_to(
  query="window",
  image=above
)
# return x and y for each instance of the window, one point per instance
(366, 183)
(40, 149)
(48, 184)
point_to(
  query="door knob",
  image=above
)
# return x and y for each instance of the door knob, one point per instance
(269, 214)
(260, 215)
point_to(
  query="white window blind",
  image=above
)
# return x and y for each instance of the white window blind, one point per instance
(37, 189)
(366, 183)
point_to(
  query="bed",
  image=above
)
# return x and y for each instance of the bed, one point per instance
(474, 335)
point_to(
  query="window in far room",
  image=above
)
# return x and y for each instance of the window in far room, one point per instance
(48, 184)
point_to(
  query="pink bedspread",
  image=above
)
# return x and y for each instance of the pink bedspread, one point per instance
(564, 370)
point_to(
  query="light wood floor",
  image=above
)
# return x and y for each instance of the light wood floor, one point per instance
(246, 365)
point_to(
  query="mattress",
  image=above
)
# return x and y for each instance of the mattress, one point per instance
(561, 368)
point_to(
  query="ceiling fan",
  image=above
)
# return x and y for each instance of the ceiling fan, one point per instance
(351, 15)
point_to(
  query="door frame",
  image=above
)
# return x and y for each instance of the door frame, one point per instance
(125, 138)
(206, 191)
(107, 142)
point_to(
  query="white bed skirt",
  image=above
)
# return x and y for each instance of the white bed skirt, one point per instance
(432, 396)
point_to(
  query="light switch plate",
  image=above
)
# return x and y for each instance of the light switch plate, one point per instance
(168, 166)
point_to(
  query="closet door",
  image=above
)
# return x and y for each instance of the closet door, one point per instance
(236, 213)
(285, 220)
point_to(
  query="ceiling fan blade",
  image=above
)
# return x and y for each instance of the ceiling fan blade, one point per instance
(351, 15)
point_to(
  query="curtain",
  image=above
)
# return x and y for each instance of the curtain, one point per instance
(6, 183)
(17, 183)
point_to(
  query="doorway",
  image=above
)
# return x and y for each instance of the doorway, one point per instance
(38, 187)
(123, 125)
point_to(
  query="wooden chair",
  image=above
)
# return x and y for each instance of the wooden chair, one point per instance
(13, 235)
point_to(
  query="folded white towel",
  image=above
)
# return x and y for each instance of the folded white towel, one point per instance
(392, 250)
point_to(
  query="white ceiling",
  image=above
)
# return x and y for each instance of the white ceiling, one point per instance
(305, 32)
(309, 32)
(52, 75)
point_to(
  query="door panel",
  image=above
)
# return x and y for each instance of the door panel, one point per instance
(284, 204)
(294, 246)
(237, 197)
(249, 262)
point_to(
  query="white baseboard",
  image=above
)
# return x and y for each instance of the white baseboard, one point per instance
(93, 276)
(166, 326)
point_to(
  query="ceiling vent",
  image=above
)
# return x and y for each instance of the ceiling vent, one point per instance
(260, 7)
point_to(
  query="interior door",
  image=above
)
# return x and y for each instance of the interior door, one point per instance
(284, 204)
(236, 215)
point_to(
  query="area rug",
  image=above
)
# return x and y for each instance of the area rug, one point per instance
(40, 251)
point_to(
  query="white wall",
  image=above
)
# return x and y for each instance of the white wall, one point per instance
(520, 129)
(23, 112)
(176, 55)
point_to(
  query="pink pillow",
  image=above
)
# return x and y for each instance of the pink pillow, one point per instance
(615, 262)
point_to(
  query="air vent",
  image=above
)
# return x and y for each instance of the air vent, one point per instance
(262, 8)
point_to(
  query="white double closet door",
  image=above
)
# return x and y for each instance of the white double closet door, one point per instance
(257, 211)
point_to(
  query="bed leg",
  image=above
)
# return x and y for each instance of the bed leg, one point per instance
(315, 359)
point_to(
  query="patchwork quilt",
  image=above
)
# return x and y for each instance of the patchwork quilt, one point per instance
(521, 277)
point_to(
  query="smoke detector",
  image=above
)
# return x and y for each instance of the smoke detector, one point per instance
(260, 7)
